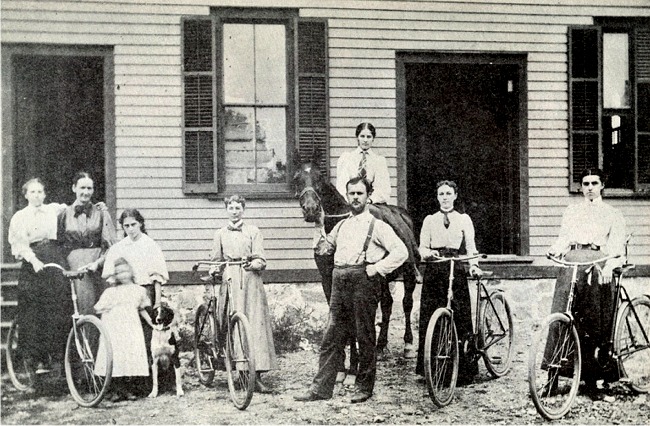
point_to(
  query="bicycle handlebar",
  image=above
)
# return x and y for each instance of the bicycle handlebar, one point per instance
(66, 273)
(219, 264)
(572, 264)
(455, 259)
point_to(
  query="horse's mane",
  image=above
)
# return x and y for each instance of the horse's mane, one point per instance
(333, 204)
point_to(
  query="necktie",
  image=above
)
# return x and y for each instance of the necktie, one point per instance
(445, 219)
(83, 208)
(363, 163)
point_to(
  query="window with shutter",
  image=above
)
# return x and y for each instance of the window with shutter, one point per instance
(642, 63)
(312, 91)
(609, 103)
(199, 127)
(255, 89)
(584, 89)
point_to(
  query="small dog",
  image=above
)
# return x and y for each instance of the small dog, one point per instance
(164, 347)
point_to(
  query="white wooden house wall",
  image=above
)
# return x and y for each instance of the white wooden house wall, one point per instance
(363, 38)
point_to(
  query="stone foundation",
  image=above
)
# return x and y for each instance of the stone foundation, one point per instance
(302, 310)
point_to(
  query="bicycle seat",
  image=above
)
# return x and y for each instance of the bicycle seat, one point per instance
(623, 269)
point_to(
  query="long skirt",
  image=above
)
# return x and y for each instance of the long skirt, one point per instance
(434, 296)
(44, 306)
(91, 286)
(248, 296)
(592, 308)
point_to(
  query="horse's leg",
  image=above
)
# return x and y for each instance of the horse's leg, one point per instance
(407, 305)
(386, 304)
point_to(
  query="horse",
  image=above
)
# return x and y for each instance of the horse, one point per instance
(318, 197)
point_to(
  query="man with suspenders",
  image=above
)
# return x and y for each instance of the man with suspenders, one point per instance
(365, 251)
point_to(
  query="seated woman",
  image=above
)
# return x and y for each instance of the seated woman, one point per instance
(366, 163)
(240, 241)
(443, 234)
(44, 303)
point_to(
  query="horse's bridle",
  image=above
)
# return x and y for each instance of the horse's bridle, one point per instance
(320, 201)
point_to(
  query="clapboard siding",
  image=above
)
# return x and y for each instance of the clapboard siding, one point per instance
(363, 39)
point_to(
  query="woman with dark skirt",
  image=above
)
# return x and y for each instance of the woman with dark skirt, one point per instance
(86, 231)
(44, 303)
(443, 234)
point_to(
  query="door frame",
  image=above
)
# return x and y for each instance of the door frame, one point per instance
(9, 50)
(520, 60)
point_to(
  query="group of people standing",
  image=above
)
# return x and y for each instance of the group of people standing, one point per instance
(365, 250)
(122, 282)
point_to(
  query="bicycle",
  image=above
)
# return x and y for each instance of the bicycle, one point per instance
(86, 387)
(231, 345)
(555, 360)
(491, 339)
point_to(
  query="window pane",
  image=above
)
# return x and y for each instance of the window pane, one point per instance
(616, 71)
(238, 63)
(270, 64)
(271, 145)
(240, 146)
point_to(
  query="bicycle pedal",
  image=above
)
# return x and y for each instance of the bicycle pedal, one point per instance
(624, 380)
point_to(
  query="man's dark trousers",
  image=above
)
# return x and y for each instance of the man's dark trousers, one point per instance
(353, 305)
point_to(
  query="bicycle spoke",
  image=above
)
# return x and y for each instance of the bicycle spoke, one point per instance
(554, 367)
(632, 345)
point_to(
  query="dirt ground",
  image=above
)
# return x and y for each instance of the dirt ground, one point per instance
(398, 399)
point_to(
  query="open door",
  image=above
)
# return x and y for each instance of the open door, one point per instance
(56, 108)
(463, 124)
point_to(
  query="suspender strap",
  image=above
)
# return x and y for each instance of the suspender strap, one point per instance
(369, 236)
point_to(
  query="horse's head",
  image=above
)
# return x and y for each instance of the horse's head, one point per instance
(308, 182)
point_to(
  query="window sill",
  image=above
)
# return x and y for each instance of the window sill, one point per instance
(621, 193)
(252, 195)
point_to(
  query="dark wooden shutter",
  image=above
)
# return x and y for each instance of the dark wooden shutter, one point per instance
(312, 105)
(642, 67)
(584, 102)
(199, 128)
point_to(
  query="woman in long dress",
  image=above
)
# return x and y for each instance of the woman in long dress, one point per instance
(443, 233)
(86, 232)
(44, 303)
(240, 241)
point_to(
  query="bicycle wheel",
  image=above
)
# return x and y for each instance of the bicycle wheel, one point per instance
(554, 367)
(88, 361)
(240, 364)
(441, 357)
(631, 343)
(496, 334)
(204, 345)
(20, 371)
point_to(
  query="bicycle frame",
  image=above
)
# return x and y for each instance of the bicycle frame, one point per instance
(71, 276)
(574, 277)
(212, 303)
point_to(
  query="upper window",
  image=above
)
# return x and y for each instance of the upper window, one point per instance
(242, 76)
(609, 85)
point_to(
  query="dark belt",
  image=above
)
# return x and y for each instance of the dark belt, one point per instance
(361, 266)
(585, 247)
(447, 252)
(41, 243)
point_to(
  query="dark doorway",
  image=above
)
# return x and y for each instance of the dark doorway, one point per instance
(462, 124)
(58, 113)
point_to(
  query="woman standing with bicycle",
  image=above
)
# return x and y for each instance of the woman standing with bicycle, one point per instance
(443, 234)
(44, 304)
(86, 232)
(591, 229)
(240, 241)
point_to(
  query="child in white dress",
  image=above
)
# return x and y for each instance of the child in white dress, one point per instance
(120, 307)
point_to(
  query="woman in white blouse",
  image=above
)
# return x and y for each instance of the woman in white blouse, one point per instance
(443, 234)
(44, 303)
